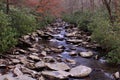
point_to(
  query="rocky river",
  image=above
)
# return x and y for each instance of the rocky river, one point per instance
(59, 51)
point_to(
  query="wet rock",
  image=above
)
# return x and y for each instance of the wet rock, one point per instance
(30, 65)
(33, 49)
(47, 49)
(58, 66)
(26, 37)
(17, 72)
(23, 60)
(117, 75)
(56, 50)
(40, 64)
(41, 78)
(28, 71)
(7, 77)
(24, 77)
(15, 61)
(71, 61)
(25, 43)
(86, 54)
(22, 51)
(53, 75)
(43, 53)
(59, 59)
(74, 41)
(61, 47)
(80, 71)
(73, 53)
(33, 57)
(49, 59)
(71, 34)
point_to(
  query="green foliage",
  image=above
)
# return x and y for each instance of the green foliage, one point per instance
(107, 35)
(114, 56)
(23, 22)
(7, 34)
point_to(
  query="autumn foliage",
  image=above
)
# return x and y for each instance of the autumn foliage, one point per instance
(46, 7)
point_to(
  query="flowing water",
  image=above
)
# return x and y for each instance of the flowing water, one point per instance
(101, 70)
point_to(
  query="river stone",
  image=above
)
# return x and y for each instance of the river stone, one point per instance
(71, 61)
(40, 64)
(53, 75)
(23, 77)
(15, 61)
(7, 77)
(73, 53)
(75, 40)
(117, 75)
(80, 71)
(43, 53)
(56, 50)
(58, 66)
(48, 59)
(86, 54)
(17, 72)
(34, 57)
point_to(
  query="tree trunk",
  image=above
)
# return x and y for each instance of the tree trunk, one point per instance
(108, 7)
(7, 6)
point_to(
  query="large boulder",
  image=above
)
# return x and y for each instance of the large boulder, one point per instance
(80, 71)
(53, 75)
(86, 54)
(58, 66)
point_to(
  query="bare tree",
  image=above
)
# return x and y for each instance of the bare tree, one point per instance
(107, 4)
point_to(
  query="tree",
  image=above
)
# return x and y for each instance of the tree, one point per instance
(107, 4)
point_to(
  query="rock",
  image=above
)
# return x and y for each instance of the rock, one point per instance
(48, 59)
(40, 64)
(30, 65)
(71, 34)
(117, 75)
(15, 61)
(58, 66)
(41, 78)
(53, 75)
(71, 61)
(24, 77)
(56, 50)
(43, 53)
(74, 41)
(7, 77)
(17, 72)
(22, 51)
(33, 57)
(26, 37)
(23, 60)
(25, 43)
(73, 53)
(28, 71)
(80, 71)
(86, 54)
(59, 59)
(33, 49)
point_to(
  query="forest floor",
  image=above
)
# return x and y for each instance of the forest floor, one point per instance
(58, 51)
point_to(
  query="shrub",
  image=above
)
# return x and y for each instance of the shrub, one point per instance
(114, 56)
(108, 37)
(7, 34)
(23, 22)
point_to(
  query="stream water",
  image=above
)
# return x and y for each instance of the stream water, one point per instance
(101, 69)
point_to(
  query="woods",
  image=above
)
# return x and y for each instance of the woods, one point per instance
(74, 35)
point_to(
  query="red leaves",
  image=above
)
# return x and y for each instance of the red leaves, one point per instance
(46, 7)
